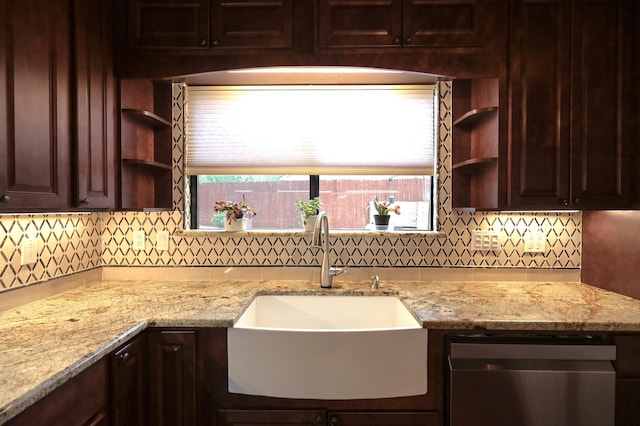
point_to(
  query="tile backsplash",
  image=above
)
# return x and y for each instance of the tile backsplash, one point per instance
(69, 243)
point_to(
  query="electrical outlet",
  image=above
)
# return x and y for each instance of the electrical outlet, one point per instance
(535, 242)
(138, 240)
(163, 240)
(485, 241)
(29, 251)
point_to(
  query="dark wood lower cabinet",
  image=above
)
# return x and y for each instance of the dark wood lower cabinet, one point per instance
(323, 418)
(627, 379)
(82, 401)
(172, 377)
(129, 384)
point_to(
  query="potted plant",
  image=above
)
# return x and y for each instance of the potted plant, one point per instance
(383, 208)
(236, 214)
(309, 212)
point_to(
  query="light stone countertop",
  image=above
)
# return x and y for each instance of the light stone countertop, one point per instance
(44, 343)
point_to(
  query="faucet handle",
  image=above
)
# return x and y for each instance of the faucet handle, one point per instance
(333, 271)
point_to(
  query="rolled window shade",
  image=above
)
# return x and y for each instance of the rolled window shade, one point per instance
(322, 130)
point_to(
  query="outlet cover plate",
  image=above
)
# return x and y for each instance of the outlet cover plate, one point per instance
(138, 240)
(535, 242)
(29, 251)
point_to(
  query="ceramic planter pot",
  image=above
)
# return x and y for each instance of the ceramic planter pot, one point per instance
(309, 223)
(236, 225)
(381, 221)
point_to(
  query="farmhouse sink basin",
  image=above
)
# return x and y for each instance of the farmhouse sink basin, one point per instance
(327, 347)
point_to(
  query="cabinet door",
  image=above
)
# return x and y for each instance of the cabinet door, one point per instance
(252, 24)
(82, 401)
(270, 417)
(384, 419)
(359, 23)
(169, 23)
(540, 104)
(35, 109)
(172, 378)
(95, 136)
(128, 384)
(450, 23)
(602, 116)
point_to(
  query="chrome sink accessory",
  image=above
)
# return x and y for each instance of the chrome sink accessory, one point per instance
(375, 282)
(327, 272)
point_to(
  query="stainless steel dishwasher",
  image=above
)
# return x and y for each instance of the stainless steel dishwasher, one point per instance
(544, 381)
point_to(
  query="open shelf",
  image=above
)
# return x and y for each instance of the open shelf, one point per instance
(147, 117)
(475, 144)
(473, 163)
(146, 148)
(153, 165)
(470, 118)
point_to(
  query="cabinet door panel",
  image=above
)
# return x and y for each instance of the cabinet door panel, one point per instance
(95, 106)
(358, 23)
(172, 378)
(252, 24)
(35, 140)
(602, 144)
(128, 383)
(540, 107)
(169, 23)
(270, 417)
(449, 23)
(384, 419)
(81, 401)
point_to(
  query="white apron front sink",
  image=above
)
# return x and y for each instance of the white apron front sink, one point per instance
(327, 347)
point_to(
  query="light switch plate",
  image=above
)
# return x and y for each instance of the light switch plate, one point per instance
(138, 240)
(29, 251)
(485, 241)
(535, 242)
(162, 242)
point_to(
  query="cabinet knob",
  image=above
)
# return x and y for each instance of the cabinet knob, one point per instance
(408, 40)
(320, 419)
(85, 202)
(396, 40)
(334, 421)
(215, 42)
(203, 42)
(577, 200)
(124, 356)
(564, 202)
(5, 199)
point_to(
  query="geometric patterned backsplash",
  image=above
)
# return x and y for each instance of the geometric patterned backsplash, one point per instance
(69, 243)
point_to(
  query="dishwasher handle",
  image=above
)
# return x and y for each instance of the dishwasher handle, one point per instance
(532, 351)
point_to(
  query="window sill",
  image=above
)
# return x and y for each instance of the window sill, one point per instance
(194, 233)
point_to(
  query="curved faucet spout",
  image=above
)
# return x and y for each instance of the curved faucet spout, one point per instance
(326, 271)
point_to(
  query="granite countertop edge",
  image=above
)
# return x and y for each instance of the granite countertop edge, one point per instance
(96, 319)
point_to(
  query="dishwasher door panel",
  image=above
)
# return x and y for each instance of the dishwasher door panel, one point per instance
(538, 392)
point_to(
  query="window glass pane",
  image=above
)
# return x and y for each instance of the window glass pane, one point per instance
(271, 197)
(348, 200)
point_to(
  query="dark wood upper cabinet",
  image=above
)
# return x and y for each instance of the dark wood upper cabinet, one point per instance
(169, 23)
(95, 111)
(35, 104)
(396, 23)
(204, 24)
(571, 139)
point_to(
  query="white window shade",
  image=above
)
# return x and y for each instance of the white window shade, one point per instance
(310, 130)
